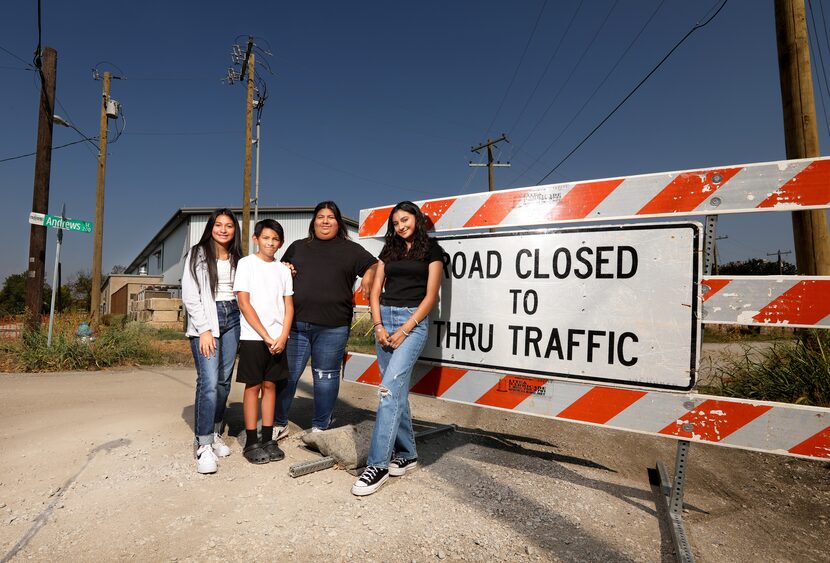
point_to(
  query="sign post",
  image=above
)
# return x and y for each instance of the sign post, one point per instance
(60, 223)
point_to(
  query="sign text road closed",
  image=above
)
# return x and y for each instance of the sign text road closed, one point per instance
(60, 222)
(608, 304)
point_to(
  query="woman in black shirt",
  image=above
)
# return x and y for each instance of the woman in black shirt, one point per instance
(327, 264)
(409, 277)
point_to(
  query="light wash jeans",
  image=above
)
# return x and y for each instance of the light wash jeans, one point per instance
(393, 427)
(213, 375)
(325, 345)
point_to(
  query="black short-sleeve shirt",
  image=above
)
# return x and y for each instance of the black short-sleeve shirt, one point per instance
(406, 280)
(326, 272)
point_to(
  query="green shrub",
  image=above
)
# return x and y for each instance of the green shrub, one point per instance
(113, 346)
(790, 372)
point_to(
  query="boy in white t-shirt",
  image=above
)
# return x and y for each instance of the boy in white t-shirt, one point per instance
(264, 290)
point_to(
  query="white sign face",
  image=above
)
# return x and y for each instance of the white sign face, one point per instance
(613, 304)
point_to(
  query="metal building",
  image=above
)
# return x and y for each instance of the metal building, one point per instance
(164, 254)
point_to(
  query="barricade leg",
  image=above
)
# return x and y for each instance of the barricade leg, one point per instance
(672, 493)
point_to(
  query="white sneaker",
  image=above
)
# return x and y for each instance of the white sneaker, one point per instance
(206, 459)
(220, 448)
(315, 429)
(280, 432)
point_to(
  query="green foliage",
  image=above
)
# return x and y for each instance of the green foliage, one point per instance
(115, 345)
(756, 267)
(13, 295)
(789, 372)
(80, 293)
(362, 336)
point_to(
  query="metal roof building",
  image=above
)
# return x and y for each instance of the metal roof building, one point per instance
(164, 254)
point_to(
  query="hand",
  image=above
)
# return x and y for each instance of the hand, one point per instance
(396, 339)
(270, 342)
(381, 335)
(278, 347)
(207, 344)
(364, 289)
(291, 267)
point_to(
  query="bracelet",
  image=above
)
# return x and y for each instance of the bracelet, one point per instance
(377, 323)
(416, 322)
(404, 332)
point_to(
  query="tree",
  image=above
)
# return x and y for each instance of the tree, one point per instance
(118, 269)
(13, 296)
(756, 267)
(80, 292)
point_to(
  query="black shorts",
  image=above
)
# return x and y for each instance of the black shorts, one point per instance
(257, 364)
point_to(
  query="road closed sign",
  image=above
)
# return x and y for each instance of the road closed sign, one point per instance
(611, 304)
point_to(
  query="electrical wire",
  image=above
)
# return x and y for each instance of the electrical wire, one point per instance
(570, 75)
(547, 67)
(701, 24)
(594, 93)
(822, 69)
(53, 148)
(27, 63)
(518, 66)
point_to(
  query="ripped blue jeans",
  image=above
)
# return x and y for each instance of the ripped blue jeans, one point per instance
(393, 426)
(325, 345)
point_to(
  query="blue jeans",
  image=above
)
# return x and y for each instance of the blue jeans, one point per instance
(213, 375)
(393, 427)
(325, 345)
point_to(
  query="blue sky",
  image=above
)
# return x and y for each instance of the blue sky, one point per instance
(374, 102)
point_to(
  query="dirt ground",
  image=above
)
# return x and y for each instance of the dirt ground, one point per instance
(99, 467)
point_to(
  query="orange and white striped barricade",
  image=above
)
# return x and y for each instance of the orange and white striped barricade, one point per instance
(550, 322)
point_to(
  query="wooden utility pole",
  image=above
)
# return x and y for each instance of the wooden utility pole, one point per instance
(810, 233)
(490, 164)
(40, 194)
(249, 124)
(98, 229)
(780, 261)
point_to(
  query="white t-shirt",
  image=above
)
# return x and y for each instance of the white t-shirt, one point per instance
(267, 283)
(224, 285)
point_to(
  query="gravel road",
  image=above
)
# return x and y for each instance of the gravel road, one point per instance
(99, 466)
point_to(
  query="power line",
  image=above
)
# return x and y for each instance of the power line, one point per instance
(822, 69)
(545, 71)
(516, 71)
(570, 75)
(34, 153)
(27, 63)
(594, 93)
(699, 25)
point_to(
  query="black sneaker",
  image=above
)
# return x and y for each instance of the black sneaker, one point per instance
(371, 480)
(398, 466)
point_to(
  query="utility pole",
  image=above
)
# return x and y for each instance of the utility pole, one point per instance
(780, 262)
(490, 164)
(97, 248)
(810, 232)
(40, 193)
(248, 65)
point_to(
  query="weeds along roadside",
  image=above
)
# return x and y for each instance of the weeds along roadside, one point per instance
(789, 371)
(116, 344)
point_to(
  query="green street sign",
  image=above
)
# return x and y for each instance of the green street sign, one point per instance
(64, 223)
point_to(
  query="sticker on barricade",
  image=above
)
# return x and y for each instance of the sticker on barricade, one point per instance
(753, 425)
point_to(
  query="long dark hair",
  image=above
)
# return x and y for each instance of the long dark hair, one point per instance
(395, 247)
(341, 225)
(205, 249)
